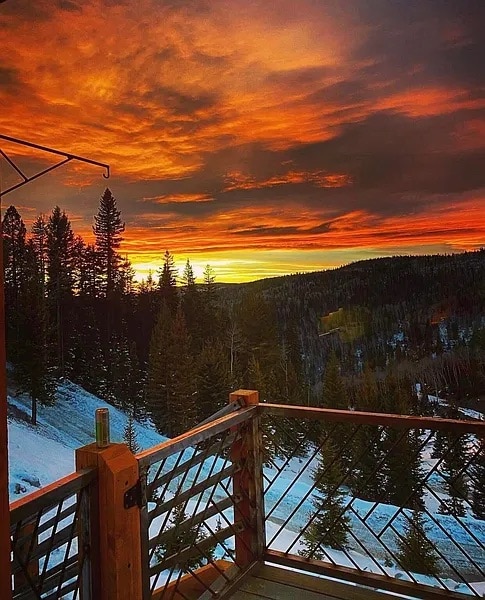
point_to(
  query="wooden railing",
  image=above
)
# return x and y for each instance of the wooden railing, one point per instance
(308, 488)
(50, 557)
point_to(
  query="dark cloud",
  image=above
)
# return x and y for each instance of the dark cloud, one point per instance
(266, 231)
(424, 43)
(70, 5)
(178, 103)
(9, 79)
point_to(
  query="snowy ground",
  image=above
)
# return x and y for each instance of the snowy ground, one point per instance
(41, 454)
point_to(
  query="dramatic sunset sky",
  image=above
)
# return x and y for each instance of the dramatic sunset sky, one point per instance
(260, 136)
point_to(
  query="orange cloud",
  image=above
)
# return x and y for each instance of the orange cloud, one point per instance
(236, 180)
(179, 198)
(194, 107)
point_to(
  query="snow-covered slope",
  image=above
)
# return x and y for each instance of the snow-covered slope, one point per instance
(38, 455)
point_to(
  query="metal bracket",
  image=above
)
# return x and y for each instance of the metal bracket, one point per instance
(133, 496)
(65, 155)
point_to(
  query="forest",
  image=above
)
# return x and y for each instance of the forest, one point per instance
(171, 348)
(386, 335)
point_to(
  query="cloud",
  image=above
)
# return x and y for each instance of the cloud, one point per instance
(179, 198)
(318, 125)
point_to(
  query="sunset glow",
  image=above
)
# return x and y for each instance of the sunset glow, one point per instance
(261, 138)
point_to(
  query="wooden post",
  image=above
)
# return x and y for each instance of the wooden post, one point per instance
(115, 547)
(248, 485)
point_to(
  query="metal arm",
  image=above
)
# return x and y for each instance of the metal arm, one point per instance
(67, 157)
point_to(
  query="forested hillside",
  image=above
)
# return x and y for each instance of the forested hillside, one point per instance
(418, 315)
(172, 347)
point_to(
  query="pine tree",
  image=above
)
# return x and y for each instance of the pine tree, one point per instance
(158, 378)
(210, 289)
(60, 271)
(212, 380)
(14, 258)
(182, 386)
(130, 436)
(453, 453)
(333, 394)
(33, 360)
(167, 282)
(108, 227)
(39, 242)
(191, 306)
(402, 467)
(89, 270)
(478, 481)
(88, 367)
(13, 232)
(183, 535)
(415, 553)
(330, 525)
(452, 467)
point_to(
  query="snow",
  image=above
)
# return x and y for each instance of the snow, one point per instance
(44, 453)
(41, 454)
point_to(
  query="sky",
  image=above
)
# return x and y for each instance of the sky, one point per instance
(263, 137)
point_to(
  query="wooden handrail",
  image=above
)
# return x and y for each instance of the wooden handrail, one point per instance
(194, 436)
(50, 495)
(368, 418)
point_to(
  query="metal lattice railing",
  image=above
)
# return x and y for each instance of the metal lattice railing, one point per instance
(192, 520)
(49, 549)
(383, 500)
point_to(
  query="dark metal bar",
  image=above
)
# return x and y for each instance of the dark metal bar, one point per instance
(36, 176)
(189, 552)
(13, 165)
(197, 519)
(191, 492)
(182, 467)
(58, 152)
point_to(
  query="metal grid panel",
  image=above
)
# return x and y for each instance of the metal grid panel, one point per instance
(188, 521)
(368, 497)
(45, 538)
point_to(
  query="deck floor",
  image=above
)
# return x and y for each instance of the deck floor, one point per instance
(275, 583)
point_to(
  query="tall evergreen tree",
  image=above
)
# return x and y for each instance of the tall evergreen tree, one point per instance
(39, 242)
(130, 436)
(333, 394)
(192, 306)
(213, 383)
(89, 270)
(88, 367)
(60, 271)
(108, 227)
(167, 282)
(210, 289)
(14, 232)
(330, 524)
(415, 553)
(183, 535)
(452, 468)
(158, 370)
(14, 259)
(182, 386)
(34, 354)
(478, 481)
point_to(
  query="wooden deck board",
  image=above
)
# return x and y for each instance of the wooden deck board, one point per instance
(275, 583)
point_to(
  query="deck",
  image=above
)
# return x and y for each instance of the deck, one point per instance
(227, 510)
(276, 583)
